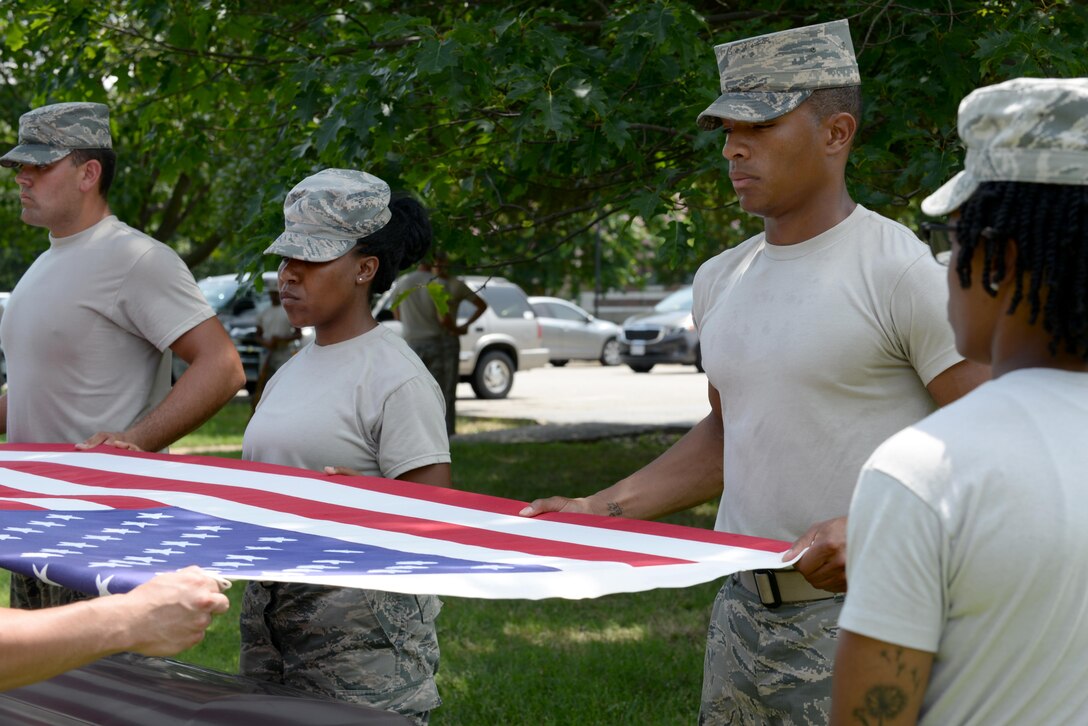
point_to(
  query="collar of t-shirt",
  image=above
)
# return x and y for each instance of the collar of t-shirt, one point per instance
(815, 244)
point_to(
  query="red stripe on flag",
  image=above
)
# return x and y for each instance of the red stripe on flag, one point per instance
(20, 506)
(113, 502)
(346, 515)
(451, 497)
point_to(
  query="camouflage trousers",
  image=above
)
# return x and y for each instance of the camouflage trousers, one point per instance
(364, 646)
(30, 593)
(767, 666)
(442, 357)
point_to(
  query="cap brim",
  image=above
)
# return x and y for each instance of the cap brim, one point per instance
(751, 107)
(309, 248)
(33, 154)
(951, 196)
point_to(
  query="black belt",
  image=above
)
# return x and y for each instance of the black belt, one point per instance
(778, 587)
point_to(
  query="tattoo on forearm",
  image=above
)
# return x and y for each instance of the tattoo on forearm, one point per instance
(881, 702)
(886, 701)
(614, 510)
(895, 659)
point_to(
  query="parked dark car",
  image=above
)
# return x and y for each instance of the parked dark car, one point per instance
(237, 304)
(572, 333)
(131, 690)
(665, 334)
(505, 339)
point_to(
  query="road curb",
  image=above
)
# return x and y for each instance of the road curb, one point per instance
(538, 433)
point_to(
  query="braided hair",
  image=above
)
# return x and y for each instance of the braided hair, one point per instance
(1048, 223)
(401, 243)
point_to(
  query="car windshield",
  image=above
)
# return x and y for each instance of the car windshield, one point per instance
(219, 292)
(505, 301)
(676, 302)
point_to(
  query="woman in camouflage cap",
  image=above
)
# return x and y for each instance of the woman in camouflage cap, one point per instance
(357, 400)
(968, 599)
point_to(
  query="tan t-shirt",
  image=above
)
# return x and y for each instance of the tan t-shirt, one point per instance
(85, 330)
(274, 323)
(367, 403)
(417, 311)
(820, 351)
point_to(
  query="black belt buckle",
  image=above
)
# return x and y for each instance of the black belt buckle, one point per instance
(767, 588)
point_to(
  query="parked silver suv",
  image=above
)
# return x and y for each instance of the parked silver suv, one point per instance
(505, 339)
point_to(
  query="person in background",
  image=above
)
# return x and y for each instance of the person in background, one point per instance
(820, 337)
(163, 616)
(3, 378)
(90, 327)
(276, 335)
(968, 598)
(435, 336)
(356, 400)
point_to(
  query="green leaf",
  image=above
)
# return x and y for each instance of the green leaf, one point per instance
(439, 295)
(327, 131)
(15, 38)
(646, 205)
(436, 55)
(436, 291)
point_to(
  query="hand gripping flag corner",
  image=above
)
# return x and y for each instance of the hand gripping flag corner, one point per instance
(103, 521)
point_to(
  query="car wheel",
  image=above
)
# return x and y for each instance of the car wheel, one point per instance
(494, 375)
(610, 354)
(641, 367)
(559, 363)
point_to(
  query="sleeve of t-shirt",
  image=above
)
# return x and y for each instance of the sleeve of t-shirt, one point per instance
(698, 294)
(920, 315)
(459, 292)
(893, 565)
(159, 300)
(413, 432)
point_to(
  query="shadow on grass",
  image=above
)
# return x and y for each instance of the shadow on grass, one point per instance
(621, 659)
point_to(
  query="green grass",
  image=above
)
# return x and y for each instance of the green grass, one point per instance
(632, 658)
(223, 432)
(621, 659)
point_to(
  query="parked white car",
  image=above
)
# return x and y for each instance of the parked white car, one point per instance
(507, 338)
(571, 333)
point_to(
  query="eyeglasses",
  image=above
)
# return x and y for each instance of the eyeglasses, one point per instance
(939, 237)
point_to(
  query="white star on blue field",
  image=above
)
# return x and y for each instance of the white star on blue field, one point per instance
(104, 551)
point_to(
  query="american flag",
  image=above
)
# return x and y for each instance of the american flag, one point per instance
(103, 521)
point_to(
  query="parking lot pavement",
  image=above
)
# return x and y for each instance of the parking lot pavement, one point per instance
(669, 395)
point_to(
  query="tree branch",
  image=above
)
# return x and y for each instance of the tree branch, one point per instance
(171, 215)
(203, 250)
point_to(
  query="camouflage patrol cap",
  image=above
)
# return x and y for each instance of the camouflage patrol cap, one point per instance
(53, 132)
(326, 214)
(1024, 130)
(770, 75)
